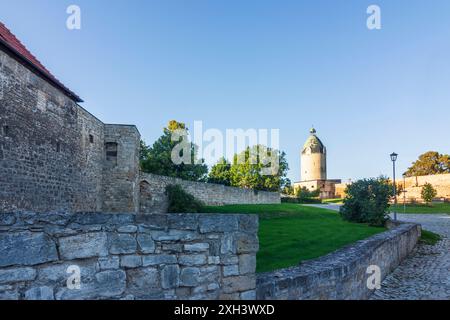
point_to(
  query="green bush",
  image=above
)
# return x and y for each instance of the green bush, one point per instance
(306, 196)
(182, 202)
(428, 192)
(367, 201)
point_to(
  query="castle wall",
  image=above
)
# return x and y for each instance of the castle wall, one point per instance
(209, 193)
(121, 169)
(42, 163)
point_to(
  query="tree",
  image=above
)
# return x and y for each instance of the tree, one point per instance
(250, 170)
(157, 159)
(220, 173)
(288, 189)
(428, 193)
(367, 201)
(429, 163)
(253, 169)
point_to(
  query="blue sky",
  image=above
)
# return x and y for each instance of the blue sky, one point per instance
(259, 64)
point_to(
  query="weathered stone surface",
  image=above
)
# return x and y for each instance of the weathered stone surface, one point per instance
(110, 262)
(83, 246)
(144, 282)
(189, 277)
(229, 259)
(175, 235)
(246, 243)
(12, 294)
(127, 229)
(231, 270)
(122, 244)
(218, 223)
(170, 276)
(106, 284)
(131, 261)
(17, 275)
(146, 243)
(213, 259)
(196, 247)
(7, 219)
(239, 283)
(159, 259)
(26, 248)
(248, 295)
(40, 293)
(247, 263)
(228, 244)
(192, 260)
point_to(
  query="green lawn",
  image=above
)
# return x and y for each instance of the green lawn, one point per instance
(290, 233)
(423, 208)
(336, 201)
(429, 237)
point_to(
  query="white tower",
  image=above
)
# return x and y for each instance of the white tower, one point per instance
(313, 159)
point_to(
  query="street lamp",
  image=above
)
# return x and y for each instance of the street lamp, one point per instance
(393, 159)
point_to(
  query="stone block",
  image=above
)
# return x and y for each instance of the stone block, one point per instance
(248, 295)
(247, 263)
(170, 277)
(17, 275)
(26, 248)
(183, 221)
(122, 243)
(130, 261)
(218, 223)
(192, 260)
(146, 243)
(213, 260)
(85, 245)
(144, 283)
(231, 270)
(40, 293)
(196, 247)
(7, 219)
(127, 229)
(239, 283)
(189, 277)
(158, 259)
(110, 262)
(246, 243)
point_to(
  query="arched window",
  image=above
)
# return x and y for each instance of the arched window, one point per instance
(111, 152)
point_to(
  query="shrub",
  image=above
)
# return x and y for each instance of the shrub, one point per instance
(182, 202)
(428, 193)
(305, 196)
(367, 201)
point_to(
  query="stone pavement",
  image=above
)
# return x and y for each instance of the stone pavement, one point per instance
(425, 275)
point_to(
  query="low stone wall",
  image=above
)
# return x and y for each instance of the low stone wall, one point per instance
(153, 187)
(342, 274)
(127, 256)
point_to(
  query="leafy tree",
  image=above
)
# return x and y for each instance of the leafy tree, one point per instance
(429, 163)
(248, 169)
(288, 188)
(220, 173)
(428, 193)
(304, 195)
(157, 159)
(367, 201)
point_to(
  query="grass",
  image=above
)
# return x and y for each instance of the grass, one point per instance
(290, 233)
(423, 208)
(429, 238)
(336, 201)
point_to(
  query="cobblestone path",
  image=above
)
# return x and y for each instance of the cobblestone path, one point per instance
(425, 275)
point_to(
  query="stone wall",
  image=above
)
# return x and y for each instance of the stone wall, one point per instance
(40, 150)
(441, 182)
(210, 194)
(341, 274)
(128, 256)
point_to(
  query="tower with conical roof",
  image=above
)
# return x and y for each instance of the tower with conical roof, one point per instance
(313, 159)
(313, 168)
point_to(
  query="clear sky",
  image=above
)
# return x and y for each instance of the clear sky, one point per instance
(259, 64)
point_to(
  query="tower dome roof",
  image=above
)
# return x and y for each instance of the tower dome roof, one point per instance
(313, 143)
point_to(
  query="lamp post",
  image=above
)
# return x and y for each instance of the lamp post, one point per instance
(393, 159)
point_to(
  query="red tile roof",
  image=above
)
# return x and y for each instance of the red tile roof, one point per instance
(10, 41)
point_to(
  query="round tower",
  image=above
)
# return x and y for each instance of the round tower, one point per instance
(313, 159)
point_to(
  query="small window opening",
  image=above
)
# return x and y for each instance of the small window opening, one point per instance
(91, 138)
(5, 131)
(111, 152)
(58, 147)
